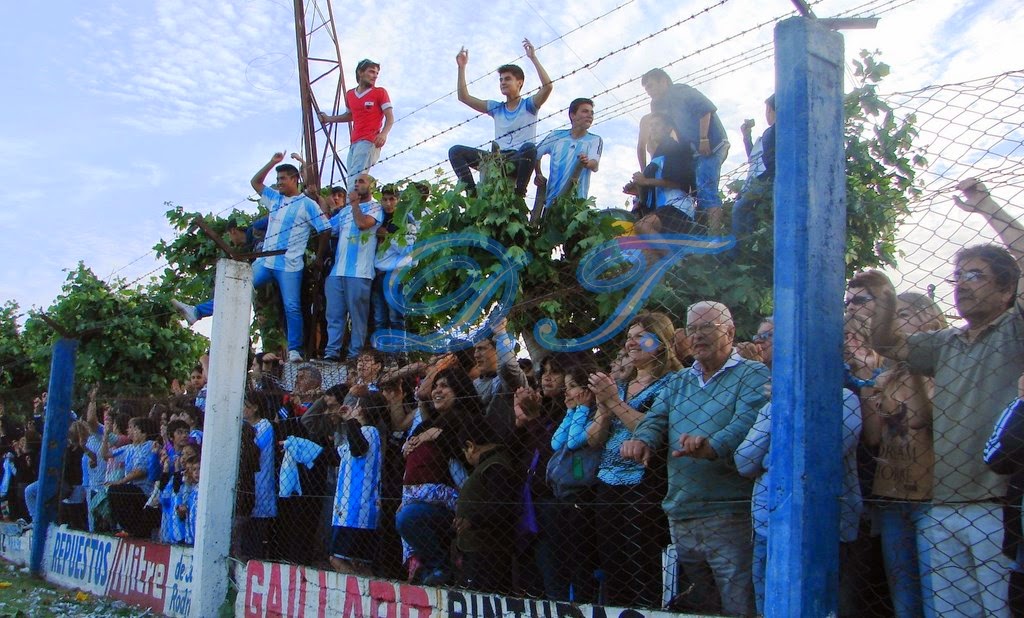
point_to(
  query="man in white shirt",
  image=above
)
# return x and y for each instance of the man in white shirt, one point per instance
(567, 148)
(515, 120)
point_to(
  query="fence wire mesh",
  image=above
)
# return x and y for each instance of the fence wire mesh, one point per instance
(633, 473)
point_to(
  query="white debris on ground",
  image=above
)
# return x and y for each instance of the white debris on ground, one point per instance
(22, 597)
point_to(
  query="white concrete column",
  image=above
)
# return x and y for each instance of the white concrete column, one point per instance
(222, 430)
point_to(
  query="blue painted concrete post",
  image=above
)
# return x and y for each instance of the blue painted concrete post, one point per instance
(55, 438)
(810, 237)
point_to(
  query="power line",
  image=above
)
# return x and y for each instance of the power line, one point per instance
(624, 107)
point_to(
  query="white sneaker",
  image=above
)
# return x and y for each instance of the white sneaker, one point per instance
(187, 311)
(294, 356)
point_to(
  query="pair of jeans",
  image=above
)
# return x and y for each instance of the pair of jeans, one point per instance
(906, 554)
(565, 551)
(463, 158)
(970, 576)
(709, 173)
(385, 315)
(290, 285)
(361, 157)
(723, 541)
(754, 194)
(758, 568)
(426, 527)
(347, 298)
(629, 521)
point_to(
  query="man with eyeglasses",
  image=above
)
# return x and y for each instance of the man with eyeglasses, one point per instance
(859, 301)
(765, 338)
(368, 106)
(704, 413)
(976, 368)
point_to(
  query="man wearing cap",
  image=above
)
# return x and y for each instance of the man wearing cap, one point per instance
(367, 106)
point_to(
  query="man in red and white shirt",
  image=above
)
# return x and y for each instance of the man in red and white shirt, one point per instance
(367, 106)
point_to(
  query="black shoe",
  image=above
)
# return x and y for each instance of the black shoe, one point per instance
(332, 359)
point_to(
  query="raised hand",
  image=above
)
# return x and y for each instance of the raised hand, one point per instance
(531, 51)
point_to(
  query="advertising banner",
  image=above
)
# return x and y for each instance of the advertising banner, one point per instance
(272, 589)
(138, 572)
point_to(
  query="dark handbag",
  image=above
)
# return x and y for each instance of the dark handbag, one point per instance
(570, 470)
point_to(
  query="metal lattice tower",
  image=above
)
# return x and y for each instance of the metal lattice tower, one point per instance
(321, 87)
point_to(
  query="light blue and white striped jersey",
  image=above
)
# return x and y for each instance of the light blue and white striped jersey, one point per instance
(358, 493)
(357, 248)
(393, 254)
(565, 150)
(136, 457)
(291, 221)
(513, 128)
(93, 477)
(265, 504)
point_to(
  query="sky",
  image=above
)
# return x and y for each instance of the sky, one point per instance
(115, 108)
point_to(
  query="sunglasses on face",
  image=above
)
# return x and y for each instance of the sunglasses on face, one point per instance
(858, 300)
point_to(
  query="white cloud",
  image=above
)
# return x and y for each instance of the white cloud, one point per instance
(176, 100)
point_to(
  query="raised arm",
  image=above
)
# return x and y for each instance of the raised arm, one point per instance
(509, 371)
(257, 180)
(362, 220)
(462, 59)
(745, 128)
(546, 87)
(311, 182)
(977, 199)
(641, 143)
(92, 410)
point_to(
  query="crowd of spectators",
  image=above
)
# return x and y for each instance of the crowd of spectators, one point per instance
(470, 468)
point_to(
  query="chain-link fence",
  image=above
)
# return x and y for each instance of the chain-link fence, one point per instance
(616, 456)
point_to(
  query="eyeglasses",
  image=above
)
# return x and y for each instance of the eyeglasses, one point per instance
(968, 276)
(763, 337)
(704, 328)
(858, 300)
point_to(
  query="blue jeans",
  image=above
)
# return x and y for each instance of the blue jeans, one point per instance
(290, 285)
(969, 575)
(754, 194)
(724, 542)
(346, 297)
(31, 497)
(463, 158)
(709, 172)
(905, 551)
(426, 528)
(384, 314)
(361, 157)
(758, 568)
